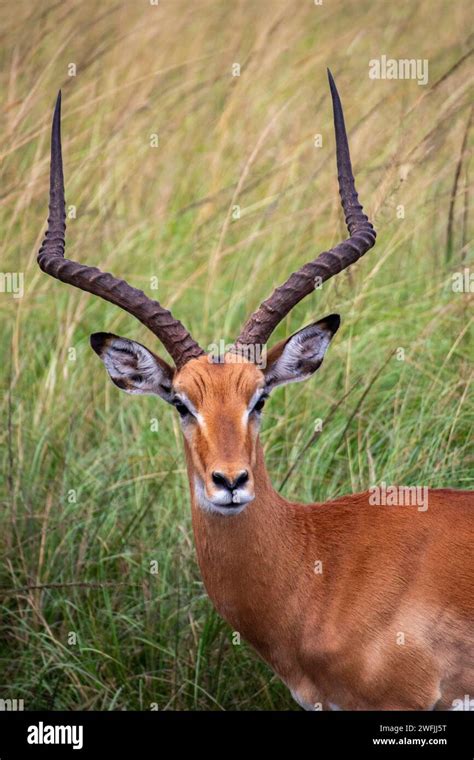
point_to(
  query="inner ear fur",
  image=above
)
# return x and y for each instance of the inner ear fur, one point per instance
(295, 358)
(132, 366)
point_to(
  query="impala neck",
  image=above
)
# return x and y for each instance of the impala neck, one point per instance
(241, 556)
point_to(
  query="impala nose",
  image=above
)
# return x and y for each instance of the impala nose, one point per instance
(224, 482)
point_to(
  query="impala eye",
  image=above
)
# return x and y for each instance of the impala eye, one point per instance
(259, 405)
(181, 408)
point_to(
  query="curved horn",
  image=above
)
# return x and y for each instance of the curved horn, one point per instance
(261, 324)
(174, 336)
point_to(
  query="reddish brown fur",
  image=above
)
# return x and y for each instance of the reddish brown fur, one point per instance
(332, 637)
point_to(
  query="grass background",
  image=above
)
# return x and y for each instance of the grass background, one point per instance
(81, 563)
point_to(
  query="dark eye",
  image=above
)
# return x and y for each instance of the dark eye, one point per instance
(182, 409)
(259, 405)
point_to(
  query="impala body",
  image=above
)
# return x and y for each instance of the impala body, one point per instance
(353, 604)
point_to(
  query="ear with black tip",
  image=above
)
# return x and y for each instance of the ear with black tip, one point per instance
(298, 357)
(132, 367)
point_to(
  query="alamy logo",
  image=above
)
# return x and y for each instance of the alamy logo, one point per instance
(399, 496)
(465, 703)
(11, 705)
(463, 282)
(42, 734)
(254, 353)
(12, 282)
(399, 68)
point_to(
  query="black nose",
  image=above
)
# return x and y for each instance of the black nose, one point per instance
(221, 480)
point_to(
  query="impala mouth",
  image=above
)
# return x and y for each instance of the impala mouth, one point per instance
(222, 502)
(238, 500)
(229, 506)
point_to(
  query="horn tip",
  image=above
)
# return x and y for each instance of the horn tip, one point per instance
(57, 107)
(332, 85)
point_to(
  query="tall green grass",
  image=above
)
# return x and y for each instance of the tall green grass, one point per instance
(91, 495)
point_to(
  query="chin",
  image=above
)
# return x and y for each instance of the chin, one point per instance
(230, 511)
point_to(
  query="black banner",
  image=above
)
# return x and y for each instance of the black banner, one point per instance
(86, 734)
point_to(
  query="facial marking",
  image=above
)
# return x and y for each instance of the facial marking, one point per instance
(181, 396)
(255, 397)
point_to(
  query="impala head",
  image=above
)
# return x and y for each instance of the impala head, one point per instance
(219, 403)
(219, 400)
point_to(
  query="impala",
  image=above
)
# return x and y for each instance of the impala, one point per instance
(386, 621)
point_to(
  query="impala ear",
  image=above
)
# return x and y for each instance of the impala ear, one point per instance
(132, 367)
(297, 357)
